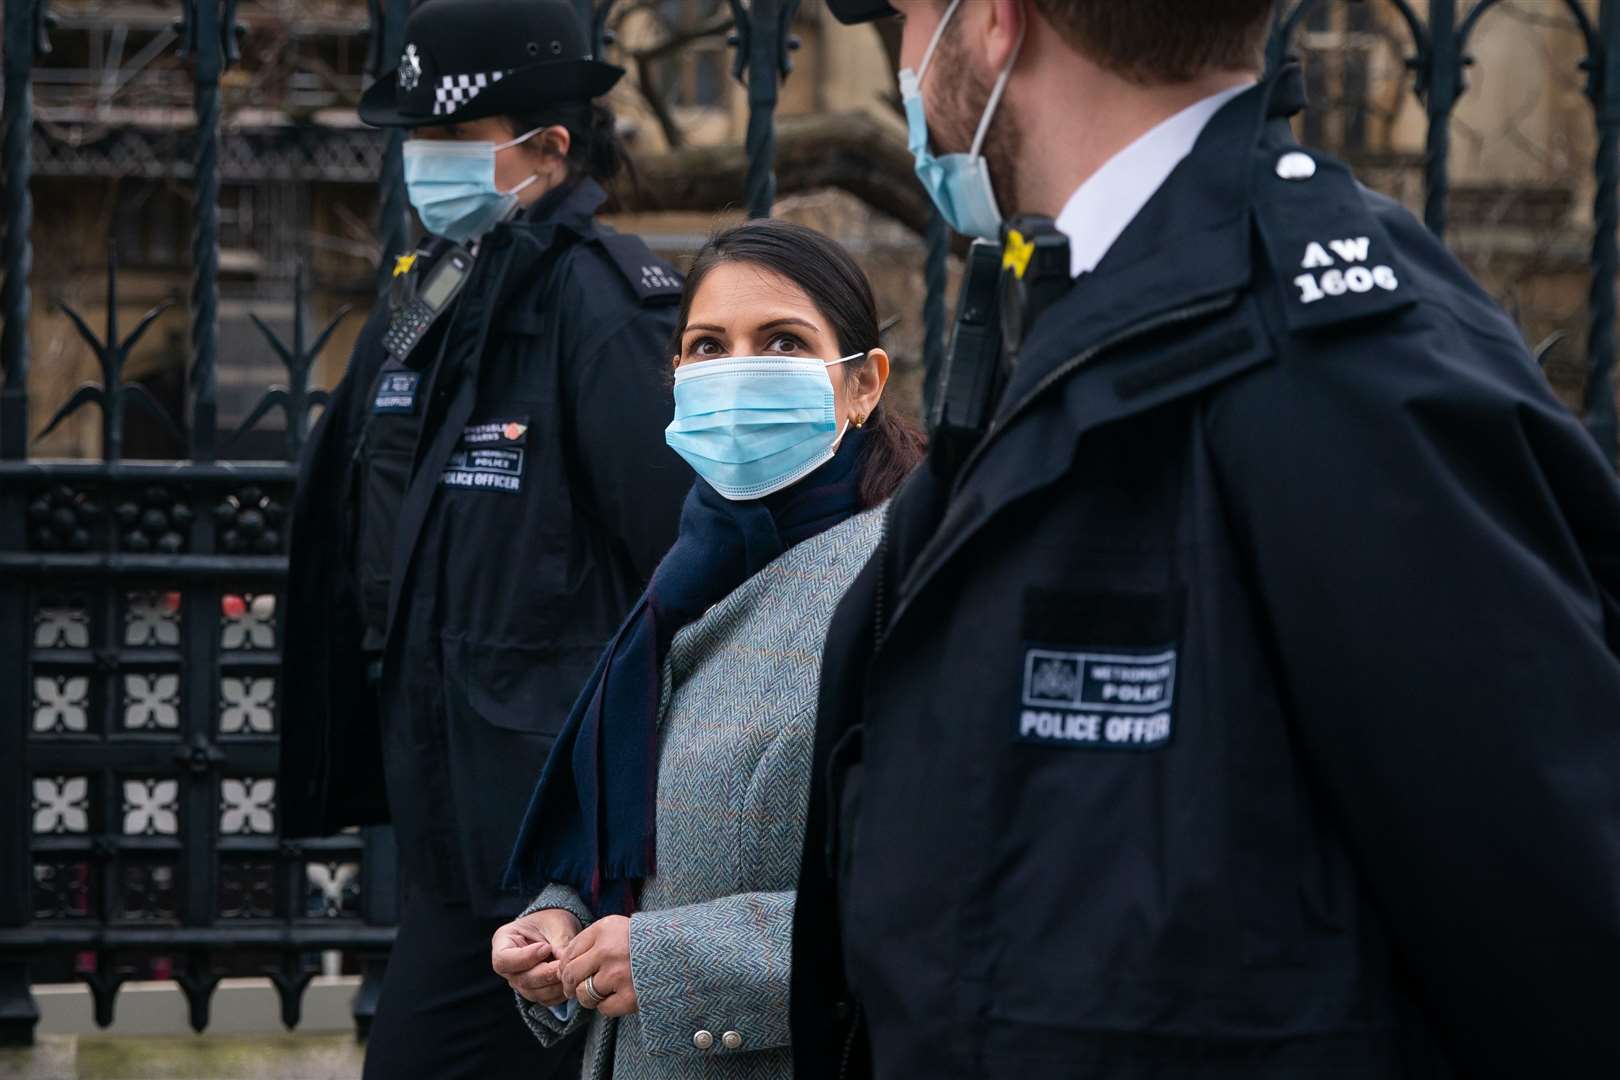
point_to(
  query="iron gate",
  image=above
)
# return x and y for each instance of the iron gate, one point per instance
(139, 621)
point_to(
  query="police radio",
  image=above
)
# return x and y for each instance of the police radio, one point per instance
(1034, 276)
(970, 384)
(417, 309)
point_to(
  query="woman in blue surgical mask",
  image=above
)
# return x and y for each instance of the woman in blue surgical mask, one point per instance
(663, 838)
(487, 495)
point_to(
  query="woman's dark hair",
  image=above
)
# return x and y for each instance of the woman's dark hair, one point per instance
(838, 287)
(594, 146)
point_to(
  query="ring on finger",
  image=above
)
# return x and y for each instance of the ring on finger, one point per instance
(589, 986)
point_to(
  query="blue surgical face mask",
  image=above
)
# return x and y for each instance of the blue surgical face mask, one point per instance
(752, 425)
(452, 186)
(959, 184)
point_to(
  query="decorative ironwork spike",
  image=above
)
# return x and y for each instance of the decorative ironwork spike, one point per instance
(325, 335)
(104, 985)
(96, 344)
(87, 394)
(273, 339)
(198, 983)
(143, 324)
(141, 397)
(277, 397)
(290, 980)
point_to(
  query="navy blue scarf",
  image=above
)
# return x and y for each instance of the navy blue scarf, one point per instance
(591, 819)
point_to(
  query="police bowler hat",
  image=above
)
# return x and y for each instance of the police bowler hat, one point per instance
(467, 59)
(859, 11)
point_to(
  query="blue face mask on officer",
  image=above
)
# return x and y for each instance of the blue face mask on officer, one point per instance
(753, 425)
(452, 185)
(959, 184)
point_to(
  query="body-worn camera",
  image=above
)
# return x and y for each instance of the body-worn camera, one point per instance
(1034, 276)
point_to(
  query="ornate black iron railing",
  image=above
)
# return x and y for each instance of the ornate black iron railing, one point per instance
(140, 601)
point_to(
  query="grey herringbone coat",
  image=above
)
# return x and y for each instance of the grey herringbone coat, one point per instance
(709, 949)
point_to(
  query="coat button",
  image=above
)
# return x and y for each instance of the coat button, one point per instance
(1296, 166)
(703, 1040)
(731, 1040)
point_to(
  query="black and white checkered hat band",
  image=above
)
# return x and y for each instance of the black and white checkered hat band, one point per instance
(454, 91)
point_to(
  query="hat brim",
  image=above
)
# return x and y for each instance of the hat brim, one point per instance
(850, 12)
(522, 91)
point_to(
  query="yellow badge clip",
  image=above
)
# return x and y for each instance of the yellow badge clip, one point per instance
(1017, 254)
(403, 264)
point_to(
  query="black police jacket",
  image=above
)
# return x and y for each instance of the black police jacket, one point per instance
(1247, 706)
(539, 496)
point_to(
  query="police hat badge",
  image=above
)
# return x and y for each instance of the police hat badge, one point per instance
(410, 69)
(468, 59)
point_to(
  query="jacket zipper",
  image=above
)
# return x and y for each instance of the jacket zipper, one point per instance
(1169, 318)
(1057, 375)
(849, 1043)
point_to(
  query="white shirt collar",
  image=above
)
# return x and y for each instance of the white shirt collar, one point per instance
(1110, 199)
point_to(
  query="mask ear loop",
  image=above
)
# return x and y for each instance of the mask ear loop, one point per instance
(839, 438)
(520, 139)
(933, 43)
(514, 142)
(1001, 85)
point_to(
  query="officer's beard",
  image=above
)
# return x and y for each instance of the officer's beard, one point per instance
(954, 117)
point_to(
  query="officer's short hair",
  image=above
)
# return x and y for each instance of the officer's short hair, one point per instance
(1164, 41)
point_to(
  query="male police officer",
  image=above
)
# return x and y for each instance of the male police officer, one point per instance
(1245, 702)
(488, 492)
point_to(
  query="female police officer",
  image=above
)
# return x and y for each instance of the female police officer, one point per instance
(487, 494)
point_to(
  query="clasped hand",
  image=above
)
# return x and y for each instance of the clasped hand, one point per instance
(545, 957)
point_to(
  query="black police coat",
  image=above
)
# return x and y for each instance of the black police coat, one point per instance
(539, 497)
(1249, 704)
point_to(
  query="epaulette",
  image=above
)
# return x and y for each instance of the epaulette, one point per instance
(1335, 262)
(651, 278)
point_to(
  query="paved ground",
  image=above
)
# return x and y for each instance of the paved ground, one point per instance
(215, 1057)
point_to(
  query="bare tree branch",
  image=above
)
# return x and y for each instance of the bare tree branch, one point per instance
(654, 97)
(679, 39)
(851, 151)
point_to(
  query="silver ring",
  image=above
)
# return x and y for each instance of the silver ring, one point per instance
(589, 987)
